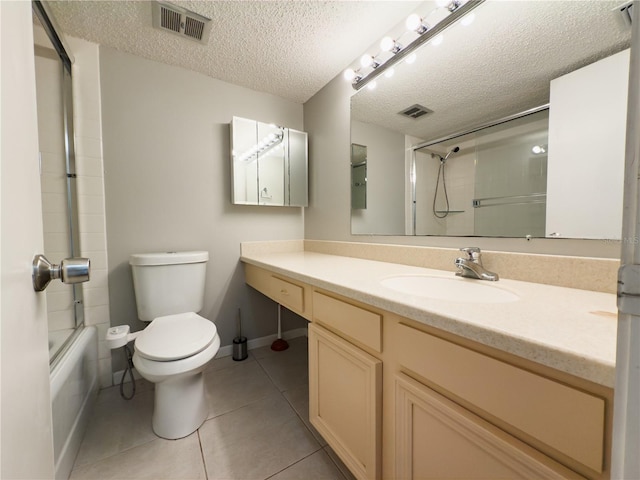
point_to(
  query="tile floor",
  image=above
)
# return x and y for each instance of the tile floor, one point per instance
(258, 428)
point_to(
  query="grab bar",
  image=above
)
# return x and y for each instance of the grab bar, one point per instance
(510, 200)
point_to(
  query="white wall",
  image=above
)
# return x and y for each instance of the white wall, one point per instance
(588, 120)
(167, 184)
(25, 409)
(385, 180)
(326, 119)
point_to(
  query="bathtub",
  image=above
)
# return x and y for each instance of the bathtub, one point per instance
(74, 388)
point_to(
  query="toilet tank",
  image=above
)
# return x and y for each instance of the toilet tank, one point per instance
(168, 283)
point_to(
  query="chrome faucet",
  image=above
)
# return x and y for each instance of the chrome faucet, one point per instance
(471, 266)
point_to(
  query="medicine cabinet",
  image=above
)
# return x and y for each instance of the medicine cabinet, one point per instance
(268, 164)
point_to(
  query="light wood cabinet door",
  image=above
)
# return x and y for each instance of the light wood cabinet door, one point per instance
(438, 439)
(345, 392)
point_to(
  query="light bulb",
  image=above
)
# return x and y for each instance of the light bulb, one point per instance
(372, 85)
(437, 40)
(450, 5)
(349, 74)
(411, 58)
(389, 73)
(538, 149)
(413, 21)
(386, 44)
(366, 61)
(468, 19)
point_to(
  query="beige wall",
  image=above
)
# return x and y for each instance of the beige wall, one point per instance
(326, 119)
(166, 157)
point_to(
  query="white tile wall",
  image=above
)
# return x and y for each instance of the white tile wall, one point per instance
(91, 209)
(53, 180)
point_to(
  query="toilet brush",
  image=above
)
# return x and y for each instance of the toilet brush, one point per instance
(279, 344)
(240, 342)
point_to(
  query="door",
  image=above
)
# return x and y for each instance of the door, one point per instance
(625, 461)
(25, 410)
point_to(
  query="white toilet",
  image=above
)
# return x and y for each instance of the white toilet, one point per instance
(174, 348)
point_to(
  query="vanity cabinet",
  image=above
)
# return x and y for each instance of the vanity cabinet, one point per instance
(345, 387)
(436, 438)
(449, 407)
(345, 382)
(503, 417)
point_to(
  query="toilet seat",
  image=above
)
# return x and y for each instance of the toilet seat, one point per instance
(174, 337)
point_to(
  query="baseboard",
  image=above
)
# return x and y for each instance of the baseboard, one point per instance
(227, 350)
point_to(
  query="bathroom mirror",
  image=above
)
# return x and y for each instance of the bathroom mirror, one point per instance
(268, 164)
(500, 65)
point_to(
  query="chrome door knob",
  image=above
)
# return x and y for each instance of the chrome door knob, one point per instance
(70, 270)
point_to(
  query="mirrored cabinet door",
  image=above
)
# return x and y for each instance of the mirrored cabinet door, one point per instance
(269, 164)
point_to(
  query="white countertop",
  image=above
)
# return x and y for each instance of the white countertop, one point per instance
(570, 330)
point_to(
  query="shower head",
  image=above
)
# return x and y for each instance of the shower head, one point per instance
(453, 150)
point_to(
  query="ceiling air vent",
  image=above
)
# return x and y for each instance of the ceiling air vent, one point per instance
(174, 19)
(415, 111)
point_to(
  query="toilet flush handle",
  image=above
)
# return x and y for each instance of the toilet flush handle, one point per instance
(70, 270)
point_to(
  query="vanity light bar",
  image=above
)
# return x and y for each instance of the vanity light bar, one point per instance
(261, 148)
(458, 10)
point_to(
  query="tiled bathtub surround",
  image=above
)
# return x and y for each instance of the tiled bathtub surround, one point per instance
(91, 206)
(596, 274)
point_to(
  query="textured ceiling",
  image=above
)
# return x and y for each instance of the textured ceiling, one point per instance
(499, 65)
(287, 48)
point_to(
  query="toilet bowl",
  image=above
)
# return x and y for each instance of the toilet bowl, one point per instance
(172, 352)
(177, 344)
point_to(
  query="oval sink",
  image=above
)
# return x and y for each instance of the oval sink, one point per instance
(450, 289)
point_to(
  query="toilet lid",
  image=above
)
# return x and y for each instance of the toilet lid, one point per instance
(175, 336)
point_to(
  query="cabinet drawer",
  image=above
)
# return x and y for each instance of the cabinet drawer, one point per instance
(357, 323)
(294, 296)
(564, 418)
(288, 294)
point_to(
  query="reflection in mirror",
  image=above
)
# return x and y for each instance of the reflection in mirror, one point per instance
(570, 55)
(491, 182)
(268, 164)
(385, 200)
(358, 176)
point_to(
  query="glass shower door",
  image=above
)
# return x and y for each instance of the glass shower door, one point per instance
(65, 311)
